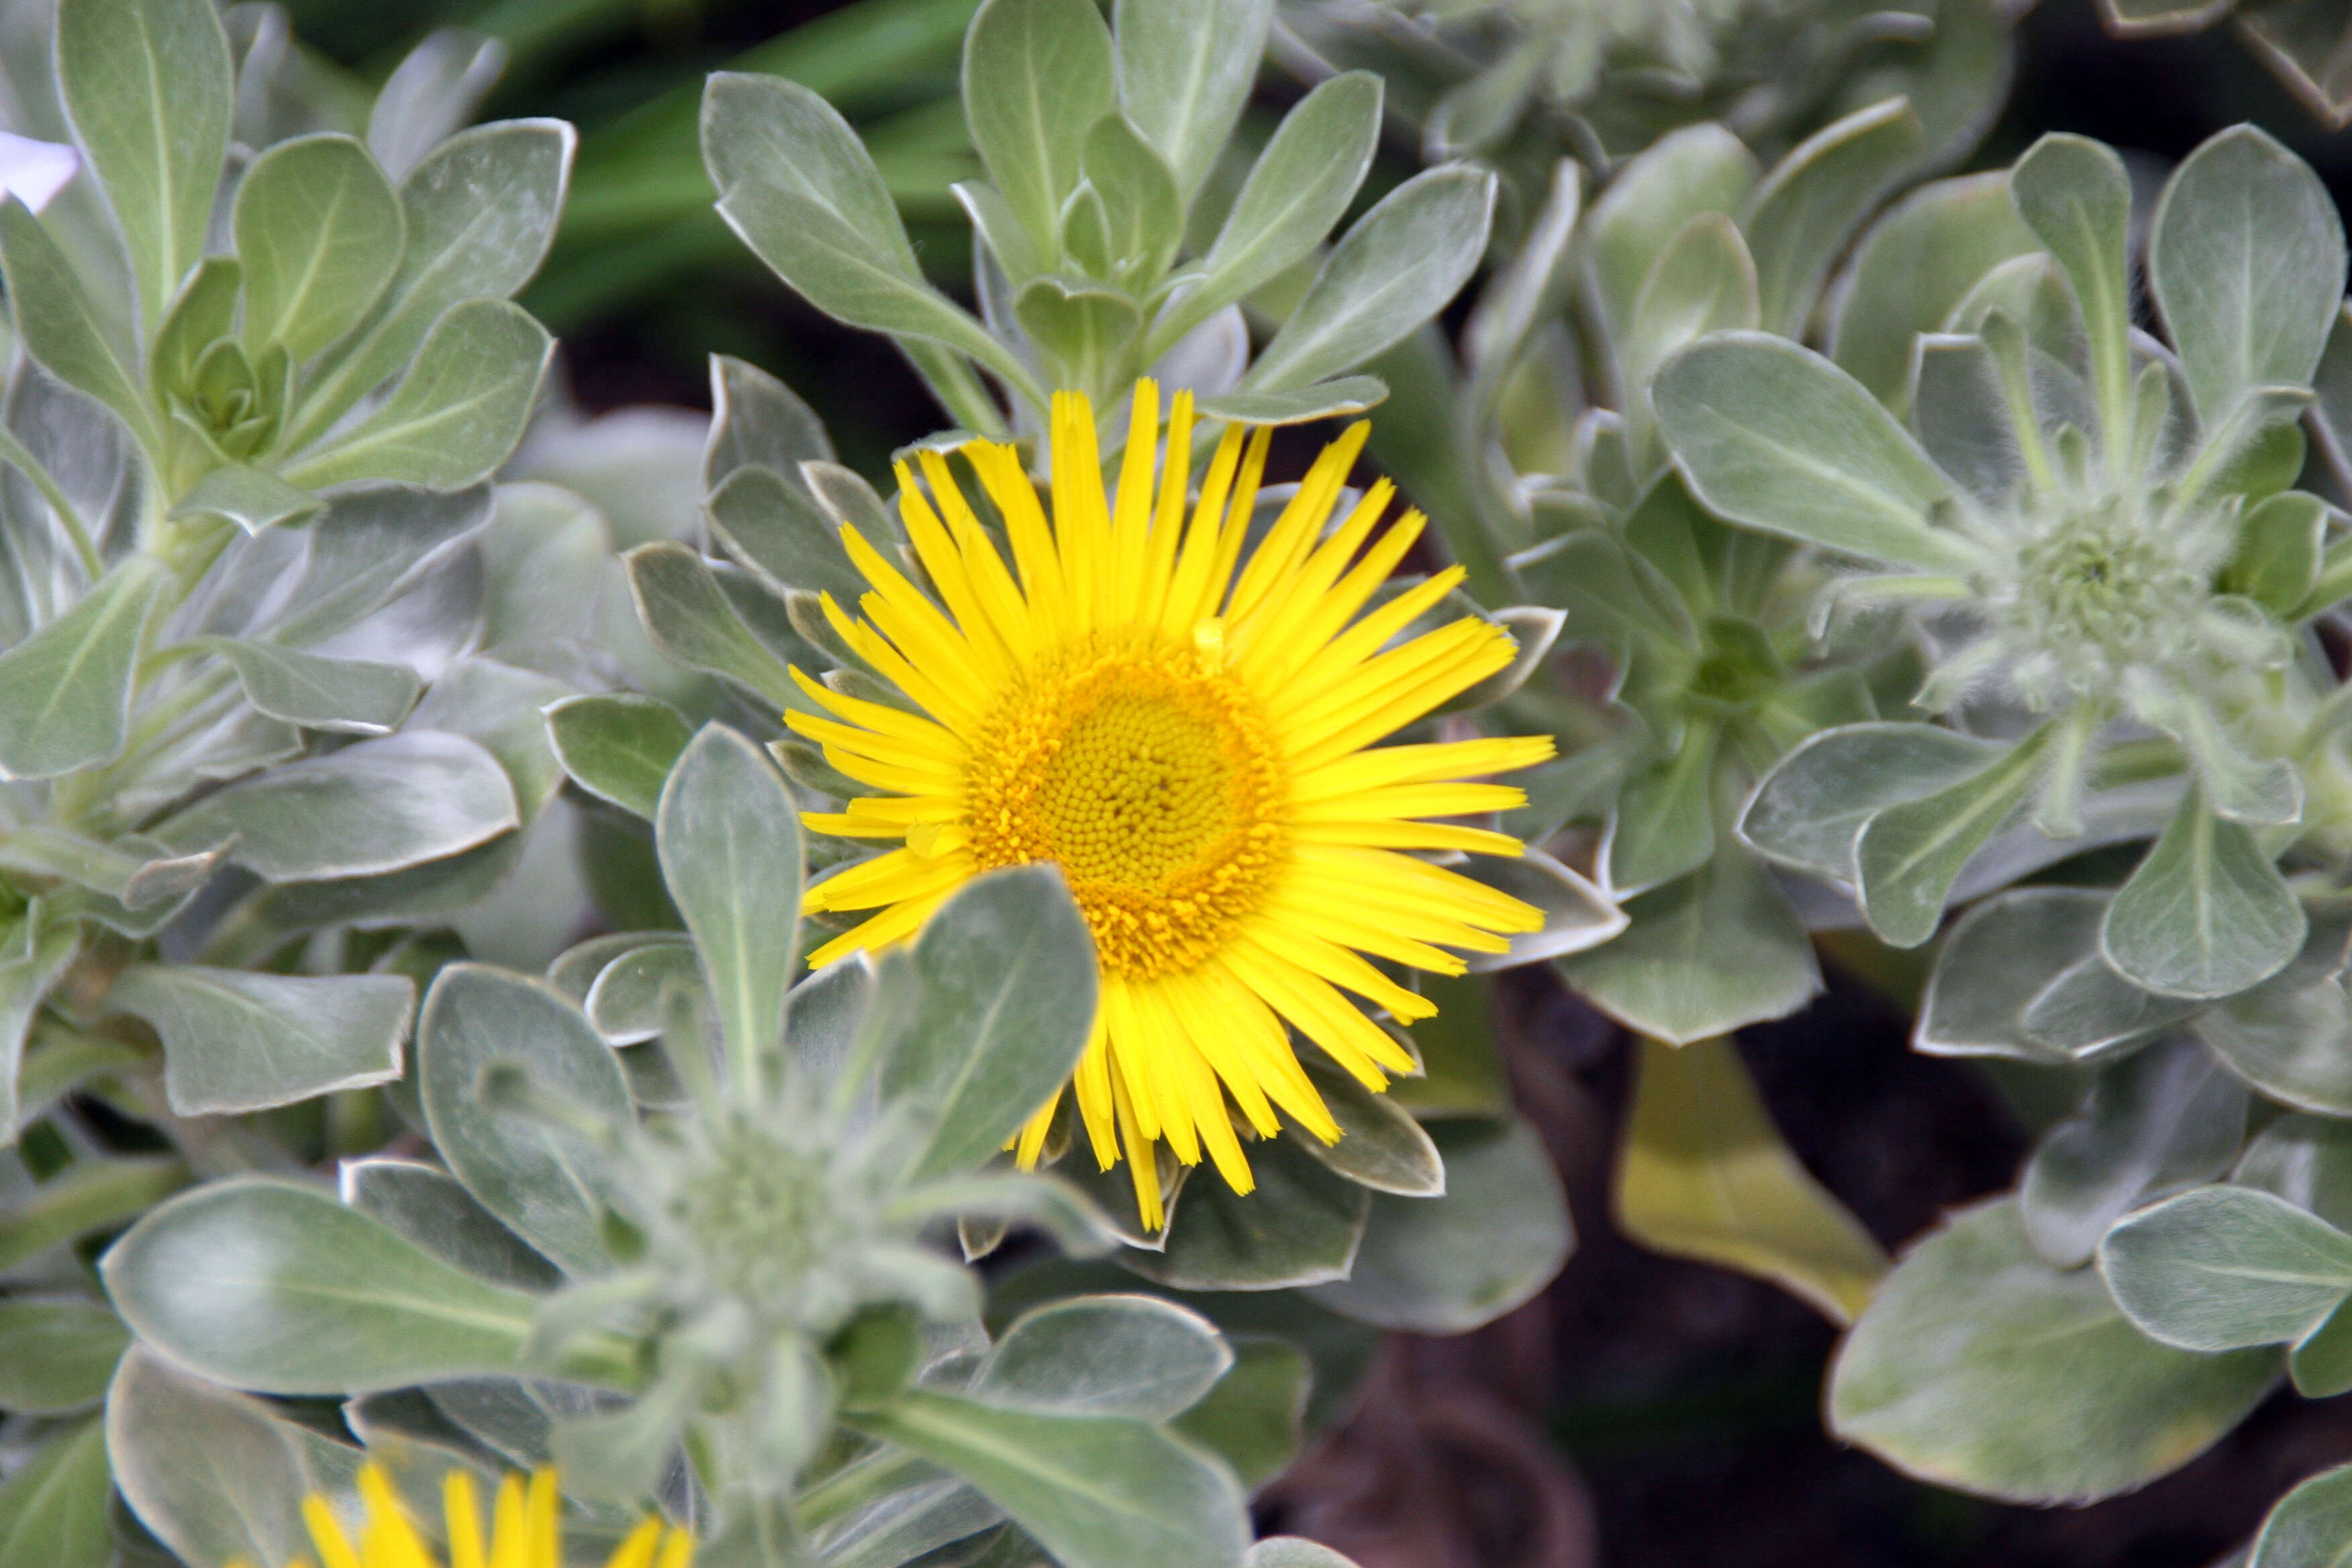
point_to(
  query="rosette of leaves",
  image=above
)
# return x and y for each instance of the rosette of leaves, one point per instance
(707, 1269)
(1337, 1237)
(1520, 80)
(2118, 615)
(1686, 666)
(256, 684)
(1102, 247)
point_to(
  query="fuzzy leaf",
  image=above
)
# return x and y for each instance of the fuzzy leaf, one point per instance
(2206, 913)
(239, 1042)
(319, 232)
(2245, 257)
(2222, 1268)
(539, 1177)
(271, 1285)
(1774, 437)
(1979, 1366)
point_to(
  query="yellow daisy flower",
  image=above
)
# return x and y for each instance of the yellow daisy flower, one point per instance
(1181, 723)
(524, 1534)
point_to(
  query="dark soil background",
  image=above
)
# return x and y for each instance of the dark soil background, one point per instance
(1644, 1412)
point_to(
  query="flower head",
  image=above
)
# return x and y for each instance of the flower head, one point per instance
(524, 1532)
(1181, 723)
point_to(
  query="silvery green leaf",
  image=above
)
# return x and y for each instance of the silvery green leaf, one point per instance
(1088, 329)
(1381, 1145)
(1301, 1227)
(1143, 210)
(1576, 914)
(480, 210)
(2305, 1159)
(1773, 436)
(57, 325)
(2160, 1120)
(2245, 257)
(546, 559)
(910, 1525)
(1294, 1551)
(729, 841)
(2290, 1037)
(1962, 416)
(89, 1195)
(1398, 265)
(626, 1003)
(690, 620)
(1699, 169)
(757, 419)
(1299, 187)
(2075, 196)
(216, 1475)
(274, 1286)
(1708, 952)
(1704, 281)
(319, 232)
(1322, 400)
(247, 497)
(2205, 914)
(371, 807)
(2311, 1527)
(618, 748)
(2222, 1268)
(2277, 560)
(1138, 1356)
(1803, 216)
(455, 416)
(497, 706)
(770, 129)
(1808, 811)
(840, 272)
(25, 982)
(1908, 855)
(56, 1356)
(845, 497)
(990, 1017)
(368, 546)
(1184, 71)
(147, 85)
(1917, 262)
(65, 691)
(431, 94)
(1976, 1365)
(1446, 1265)
(2089, 1011)
(433, 1209)
(1037, 75)
(540, 1178)
(344, 696)
(1663, 826)
(1097, 1491)
(775, 529)
(1255, 1418)
(238, 1042)
(1995, 960)
(574, 972)
(826, 1009)
(53, 1511)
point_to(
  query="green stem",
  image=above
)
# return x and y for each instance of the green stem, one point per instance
(853, 1486)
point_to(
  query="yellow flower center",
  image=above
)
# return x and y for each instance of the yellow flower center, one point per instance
(1149, 776)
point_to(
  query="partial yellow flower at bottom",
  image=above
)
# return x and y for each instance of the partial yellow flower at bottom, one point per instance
(1181, 724)
(524, 1532)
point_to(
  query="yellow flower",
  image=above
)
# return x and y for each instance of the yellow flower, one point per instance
(1182, 730)
(525, 1533)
